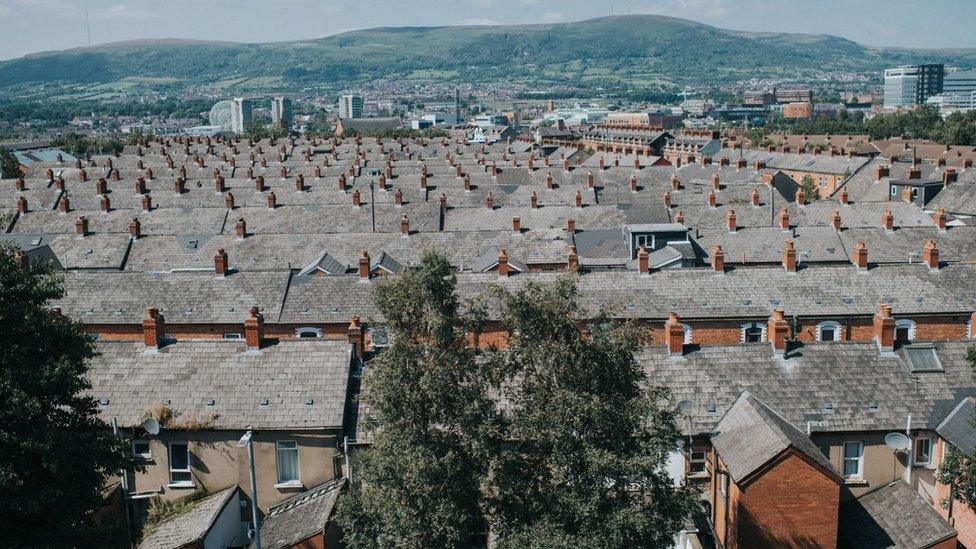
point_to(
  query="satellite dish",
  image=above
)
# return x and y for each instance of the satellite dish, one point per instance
(897, 441)
(686, 406)
(151, 426)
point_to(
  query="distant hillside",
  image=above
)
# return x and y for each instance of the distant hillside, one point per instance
(638, 50)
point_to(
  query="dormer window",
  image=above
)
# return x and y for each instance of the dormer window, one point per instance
(753, 332)
(904, 331)
(828, 331)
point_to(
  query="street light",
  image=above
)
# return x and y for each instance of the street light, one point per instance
(246, 441)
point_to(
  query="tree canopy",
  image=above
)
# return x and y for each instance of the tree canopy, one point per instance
(958, 469)
(55, 453)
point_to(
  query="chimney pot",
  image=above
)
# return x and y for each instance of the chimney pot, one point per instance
(860, 256)
(643, 265)
(153, 328)
(674, 336)
(220, 262)
(253, 329)
(789, 256)
(135, 228)
(502, 262)
(240, 229)
(777, 331)
(730, 221)
(572, 259)
(930, 255)
(364, 266)
(517, 225)
(884, 329)
(81, 226)
(940, 219)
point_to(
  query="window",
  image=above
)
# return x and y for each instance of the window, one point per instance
(828, 331)
(687, 331)
(287, 461)
(179, 463)
(233, 335)
(140, 449)
(904, 331)
(644, 240)
(753, 333)
(853, 459)
(724, 484)
(698, 461)
(894, 190)
(922, 456)
(308, 332)
(379, 337)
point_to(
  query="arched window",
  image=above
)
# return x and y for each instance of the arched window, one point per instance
(828, 331)
(687, 329)
(904, 331)
(754, 332)
(308, 332)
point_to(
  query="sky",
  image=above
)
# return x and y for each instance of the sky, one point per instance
(42, 25)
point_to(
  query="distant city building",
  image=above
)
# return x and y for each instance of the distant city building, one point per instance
(777, 96)
(222, 116)
(241, 115)
(958, 92)
(350, 106)
(281, 111)
(798, 110)
(912, 85)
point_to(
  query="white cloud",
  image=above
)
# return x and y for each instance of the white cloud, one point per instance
(120, 12)
(479, 21)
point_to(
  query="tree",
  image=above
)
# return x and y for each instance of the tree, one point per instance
(585, 466)
(809, 187)
(958, 469)
(9, 166)
(418, 484)
(55, 453)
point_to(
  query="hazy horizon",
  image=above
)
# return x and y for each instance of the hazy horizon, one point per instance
(44, 25)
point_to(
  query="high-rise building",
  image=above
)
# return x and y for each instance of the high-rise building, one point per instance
(912, 85)
(350, 106)
(242, 114)
(281, 111)
(959, 82)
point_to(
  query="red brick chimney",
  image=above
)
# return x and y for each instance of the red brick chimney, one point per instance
(342, 182)
(590, 182)
(730, 221)
(784, 219)
(801, 197)
(835, 220)
(930, 255)
(21, 205)
(146, 203)
(674, 336)
(643, 266)
(754, 198)
(219, 183)
(404, 226)
(579, 199)
(272, 200)
(675, 183)
(502, 262)
(711, 199)
(364, 266)
(300, 183)
(240, 229)
(777, 332)
(220, 262)
(843, 196)
(860, 256)
(229, 201)
(884, 329)
(64, 205)
(549, 183)
(253, 329)
(21, 259)
(718, 259)
(940, 219)
(517, 225)
(633, 183)
(789, 256)
(949, 176)
(716, 184)
(179, 186)
(135, 228)
(354, 334)
(81, 226)
(572, 259)
(153, 328)
(570, 225)
(881, 172)
(667, 199)
(534, 201)
(887, 220)
(679, 217)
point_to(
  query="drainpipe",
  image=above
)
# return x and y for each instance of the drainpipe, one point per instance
(911, 447)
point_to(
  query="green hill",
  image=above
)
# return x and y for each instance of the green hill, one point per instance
(639, 50)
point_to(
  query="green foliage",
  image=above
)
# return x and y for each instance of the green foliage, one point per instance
(810, 189)
(9, 166)
(585, 468)
(923, 123)
(418, 484)
(161, 510)
(256, 130)
(958, 469)
(56, 453)
(79, 145)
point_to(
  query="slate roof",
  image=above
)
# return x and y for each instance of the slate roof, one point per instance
(186, 375)
(750, 434)
(300, 517)
(894, 516)
(957, 428)
(190, 526)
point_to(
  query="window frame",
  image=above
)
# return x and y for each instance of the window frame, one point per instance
(860, 460)
(743, 329)
(692, 462)
(687, 334)
(905, 324)
(298, 468)
(828, 325)
(189, 467)
(931, 451)
(308, 332)
(141, 455)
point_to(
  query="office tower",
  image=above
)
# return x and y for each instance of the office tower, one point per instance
(912, 85)
(242, 114)
(350, 106)
(281, 111)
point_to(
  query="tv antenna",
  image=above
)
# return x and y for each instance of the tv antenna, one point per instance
(88, 27)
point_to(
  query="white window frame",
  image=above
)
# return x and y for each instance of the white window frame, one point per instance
(744, 327)
(723, 484)
(915, 453)
(692, 462)
(687, 332)
(235, 336)
(860, 459)
(831, 325)
(303, 331)
(903, 323)
(142, 455)
(298, 466)
(188, 469)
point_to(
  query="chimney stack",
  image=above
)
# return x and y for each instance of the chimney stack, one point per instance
(835, 220)
(801, 197)
(253, 329)
(789, 256)
(930, 255)
(153, 329)
(135, 228)
(643, 264)
(21, 205)
(570, 225)
(81, 226)
(572, 259)
(860, 256)
(887, 220)
(502, 262)
(354, 334)
(884, 329)
(784, 219)
(220, 262)
(940, 219)
(674, 336)
(718, 259)
(404, 226)
(711, 199)
(949, 176)
(364, 266)
(517, 225)
(881, 172)
(21, 259)
(777, 332)
(240, 229)
(754, 198)
(272, 200)
(579, 199)
(146, 203)
(730, 221)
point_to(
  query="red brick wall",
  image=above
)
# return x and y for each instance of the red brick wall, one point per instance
(791, 504)
(963, 518)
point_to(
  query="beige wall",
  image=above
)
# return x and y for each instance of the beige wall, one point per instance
(216, 462)
(881, 465)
